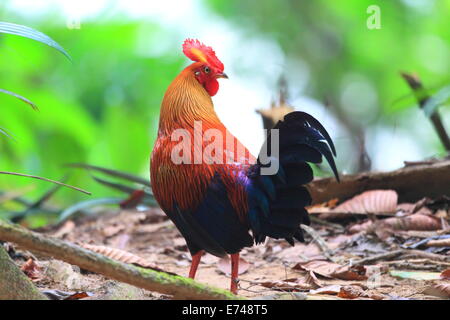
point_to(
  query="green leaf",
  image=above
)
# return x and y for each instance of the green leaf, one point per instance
(30, 33)
(148, 198)
(47, 195)
(416, 275)
(113, 173)
(85, 205)
(20, 98)
(45, 179)
(2, 131)
(436, 100)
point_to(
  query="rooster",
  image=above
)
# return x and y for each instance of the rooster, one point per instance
(224, 205)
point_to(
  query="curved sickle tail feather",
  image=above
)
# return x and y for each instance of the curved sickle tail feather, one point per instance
(277, 202)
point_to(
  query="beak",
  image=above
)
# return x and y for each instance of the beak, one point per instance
(222, 75)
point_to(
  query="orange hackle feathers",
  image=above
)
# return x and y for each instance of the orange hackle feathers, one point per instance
(197, 51)
(185, 102)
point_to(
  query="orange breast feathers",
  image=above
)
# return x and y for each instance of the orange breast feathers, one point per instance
(185, 183)
(192, 147)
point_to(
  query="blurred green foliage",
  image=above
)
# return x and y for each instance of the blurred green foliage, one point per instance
(103, 107)
(356, 69)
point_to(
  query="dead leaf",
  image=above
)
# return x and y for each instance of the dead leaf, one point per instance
(79, 295)
(406, 208)
(122, 256)
(333, 270)
(441, 290)
(64, 295)
(303, 283)
(442, 214)
(445, 274)
(354, 292)
(373, 201)
(224, 265)
(419, 222)
(65, 229)
(32, 270)
(359, 227)
(322, 207)
(350, 292)
(416, 221)
(110, 231)
(331, 289)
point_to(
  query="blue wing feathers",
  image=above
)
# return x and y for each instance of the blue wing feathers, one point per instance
(215, 217)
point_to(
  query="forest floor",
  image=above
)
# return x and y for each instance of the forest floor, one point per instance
(401, 265)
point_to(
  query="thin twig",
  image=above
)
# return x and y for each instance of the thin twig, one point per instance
(327, 252)
(422, 97)
(44, 179)
(377, 257)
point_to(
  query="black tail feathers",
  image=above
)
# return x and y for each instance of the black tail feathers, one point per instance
(278, 201)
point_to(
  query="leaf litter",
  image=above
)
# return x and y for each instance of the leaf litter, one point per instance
(381, 249)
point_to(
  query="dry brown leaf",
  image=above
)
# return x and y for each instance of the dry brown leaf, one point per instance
(322, 207)
(350, 292)
(373, 201)
(122, 256)
(445, 274)
(356, 228)
(304, 283)
(441, 214)
(224, 265)
(64, 295)
(110, 231)
(416, 221)
(32, 270)
(78, 296)
(441, 290)
(354, 292)
(331, 289)
(333, 270)
(406, 208)
(65, 229)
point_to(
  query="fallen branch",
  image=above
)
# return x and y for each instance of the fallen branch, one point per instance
(411, 183)
(14, 284)
(177, 286)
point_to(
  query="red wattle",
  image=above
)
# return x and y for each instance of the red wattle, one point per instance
(212, 86)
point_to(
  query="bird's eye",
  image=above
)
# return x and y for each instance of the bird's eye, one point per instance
(207, 69)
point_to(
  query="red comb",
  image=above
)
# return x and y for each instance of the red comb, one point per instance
(197, 51)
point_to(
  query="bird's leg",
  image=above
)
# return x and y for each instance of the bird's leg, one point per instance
(194, 264)
(234, 272)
